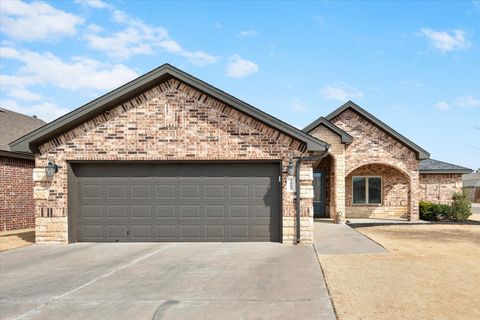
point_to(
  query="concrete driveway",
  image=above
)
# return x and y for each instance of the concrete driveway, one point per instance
(163, 281)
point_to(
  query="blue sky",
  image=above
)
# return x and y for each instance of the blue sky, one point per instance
(415, 65)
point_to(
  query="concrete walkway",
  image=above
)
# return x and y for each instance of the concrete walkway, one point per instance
(332, 238)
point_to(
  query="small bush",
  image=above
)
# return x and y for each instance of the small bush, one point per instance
(433, 212)
(461, 208)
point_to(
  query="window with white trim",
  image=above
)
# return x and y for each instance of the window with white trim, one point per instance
(367, 190)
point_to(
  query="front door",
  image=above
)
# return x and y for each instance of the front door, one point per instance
(319, 193)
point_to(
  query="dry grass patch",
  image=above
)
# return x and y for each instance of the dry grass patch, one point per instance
(432, 272)
(16, 239)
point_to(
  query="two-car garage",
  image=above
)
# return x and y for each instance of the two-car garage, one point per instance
(200, 201)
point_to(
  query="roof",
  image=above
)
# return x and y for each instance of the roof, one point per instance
(345, 137)
(14, 125)
(31, 141)
(436, 166)
(421, 153)
(471, 180)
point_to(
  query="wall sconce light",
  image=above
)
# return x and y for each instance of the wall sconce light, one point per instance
(51, 169)
(290, 168)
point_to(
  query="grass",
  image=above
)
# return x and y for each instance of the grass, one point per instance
(431, 272)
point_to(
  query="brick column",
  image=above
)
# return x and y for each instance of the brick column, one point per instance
(339, 187)
(413, 214)
(306, 202)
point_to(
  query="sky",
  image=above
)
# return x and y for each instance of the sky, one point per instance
(413, 64)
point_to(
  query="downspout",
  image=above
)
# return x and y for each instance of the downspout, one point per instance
(297, 184)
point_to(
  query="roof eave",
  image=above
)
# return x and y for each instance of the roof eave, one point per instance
(17, 155)
(457, 171)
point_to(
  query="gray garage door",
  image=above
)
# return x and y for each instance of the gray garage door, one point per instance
(178, 202)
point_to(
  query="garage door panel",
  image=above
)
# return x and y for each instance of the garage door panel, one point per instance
(189, 232)
(166, 233)
(92, 212)
(117, 191)
(172, 202)
(141, 192)
(141, 212)
(142, 232)
(165, 212)
(214, 212)
(165, 192)
(116, 212)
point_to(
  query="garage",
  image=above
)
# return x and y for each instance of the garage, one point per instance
(128, 202)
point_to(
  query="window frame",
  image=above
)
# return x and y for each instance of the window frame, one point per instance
(367, 203)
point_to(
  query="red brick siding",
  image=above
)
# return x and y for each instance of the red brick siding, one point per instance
(16, 194)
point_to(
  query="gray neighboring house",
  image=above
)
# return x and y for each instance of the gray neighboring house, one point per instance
(16, 182)
(471, 186)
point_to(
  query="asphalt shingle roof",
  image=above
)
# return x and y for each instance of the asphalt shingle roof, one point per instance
(14, 125)
(436, 166)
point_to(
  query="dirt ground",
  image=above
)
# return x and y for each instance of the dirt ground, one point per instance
(431, 272)
(16, 239)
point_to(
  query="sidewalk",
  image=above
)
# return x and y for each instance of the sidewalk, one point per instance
(332, 238)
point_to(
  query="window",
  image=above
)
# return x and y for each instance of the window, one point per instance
(367, 190)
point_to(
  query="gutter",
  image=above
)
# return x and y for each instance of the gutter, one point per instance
(297, 184)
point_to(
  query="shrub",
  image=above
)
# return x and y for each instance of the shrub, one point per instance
(461, 208)
(433, 212)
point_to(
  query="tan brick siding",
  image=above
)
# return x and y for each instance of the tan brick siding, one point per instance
(336, 179)
(438, 188)
(16, 194)
(373, 145)
(169, 122)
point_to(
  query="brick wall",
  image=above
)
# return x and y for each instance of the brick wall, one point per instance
(439, 188)
(16, 194)
(395, 194)
(171, 121)
(373, 145)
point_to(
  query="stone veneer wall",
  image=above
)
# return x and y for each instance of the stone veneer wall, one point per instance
(373, 145)
(395, 193)
(16, 194)
(438, 188)
(171, 121)
(337, 171)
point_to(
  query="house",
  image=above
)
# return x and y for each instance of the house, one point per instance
(168, 157)
(471, 186)
(16, 184)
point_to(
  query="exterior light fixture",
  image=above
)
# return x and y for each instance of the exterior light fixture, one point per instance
(290, 168)
(51, 169)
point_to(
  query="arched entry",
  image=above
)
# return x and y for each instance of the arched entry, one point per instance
(377, 190)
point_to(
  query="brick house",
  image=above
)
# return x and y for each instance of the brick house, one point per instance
(168, 157)
(16, 183)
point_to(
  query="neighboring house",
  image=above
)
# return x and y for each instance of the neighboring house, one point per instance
(471, 186)
(168, 157)
(16, 183)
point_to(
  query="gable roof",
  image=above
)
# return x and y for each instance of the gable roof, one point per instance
(345, 137)
(421, 153)
(72, 119)
(14, 125)
(436, 166)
